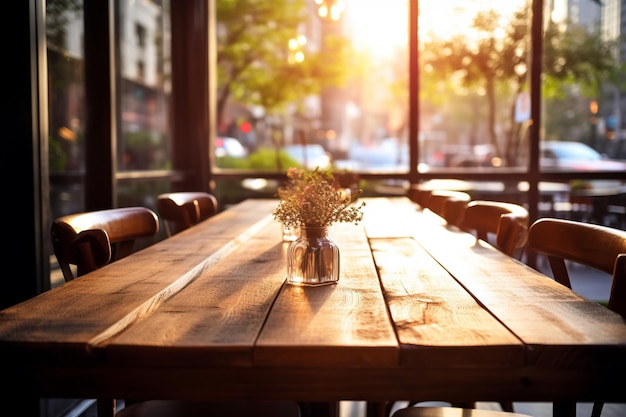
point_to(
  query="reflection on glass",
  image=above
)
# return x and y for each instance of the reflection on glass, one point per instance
(320, 92)
(472, 66)
(66, 118)
(145, 85)
(348, 89)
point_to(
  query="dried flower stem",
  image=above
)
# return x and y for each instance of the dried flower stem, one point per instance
(310, 199)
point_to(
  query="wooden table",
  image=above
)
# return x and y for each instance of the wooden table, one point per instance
(421, 311)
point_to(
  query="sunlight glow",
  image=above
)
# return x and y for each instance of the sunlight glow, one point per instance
(381, 28)
(378, 27)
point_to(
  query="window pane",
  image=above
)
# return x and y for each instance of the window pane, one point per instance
(474, 102)
(302, 84)
(64, 30)
(145, 85)
(582, 124)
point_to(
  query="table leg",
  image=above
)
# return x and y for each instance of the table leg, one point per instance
(106, 407)
(319, 409)
(376, 409)
(564, 410)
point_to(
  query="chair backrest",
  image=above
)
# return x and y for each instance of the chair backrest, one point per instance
(507, 221)
(452, 412)
(437, 199)
(418, 196)
(93, 239)
(617, 299)
(454, 209)
(599, 247)
(181, 210)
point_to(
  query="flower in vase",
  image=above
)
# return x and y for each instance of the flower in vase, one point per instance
(310, 199)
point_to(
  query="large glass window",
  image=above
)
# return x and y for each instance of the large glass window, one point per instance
(144, 138)
(143, 145)
(145, 85)
(474, 102)
(327, 86)
(64, 29)
(66, 104)
(331, 87)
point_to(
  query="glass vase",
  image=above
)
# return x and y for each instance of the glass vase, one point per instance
(313, 259)
(290, 233)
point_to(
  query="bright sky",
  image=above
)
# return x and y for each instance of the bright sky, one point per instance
(383, 24)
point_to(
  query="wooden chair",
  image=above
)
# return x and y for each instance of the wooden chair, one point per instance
(508, 222)
(599, 247)
(181, 210)
(452, 412)
(454, 209)
(418, 196)
(436, 201)
(90, 240)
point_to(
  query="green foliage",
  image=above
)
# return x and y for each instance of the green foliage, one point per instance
(233, 163)
(139, 140)
(142, 150)
(253, 54)
(263, 159)
(57, 157)
(579, 57)
(496, 66)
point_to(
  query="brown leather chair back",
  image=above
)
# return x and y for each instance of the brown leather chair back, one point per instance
(418, 196)
(93, 239)
(452, 412)
(588, 244)
(181, 210)
(599, 247)
(437, 200)
(507, 221)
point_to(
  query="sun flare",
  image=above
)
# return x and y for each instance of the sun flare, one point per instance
(380, 28)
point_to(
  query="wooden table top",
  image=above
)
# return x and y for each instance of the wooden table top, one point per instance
(421, 311)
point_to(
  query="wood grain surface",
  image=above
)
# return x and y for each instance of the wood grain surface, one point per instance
(420, 308)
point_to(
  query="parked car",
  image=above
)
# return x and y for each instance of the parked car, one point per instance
(388, 155)
(576, 156)
(461, 156)
(226, 146)
(309, 156)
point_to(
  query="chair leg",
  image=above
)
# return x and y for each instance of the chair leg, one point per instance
(319, 409)
(563, 409)
(470, 405)
(106, 407)
(507, 406)
(597, 409)
(378, 408)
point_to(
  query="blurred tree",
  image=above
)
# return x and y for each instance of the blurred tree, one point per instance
(492, 63)
(253, 55)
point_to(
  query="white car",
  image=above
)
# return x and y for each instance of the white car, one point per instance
(225, 146)
(575, 156)
(309, 156)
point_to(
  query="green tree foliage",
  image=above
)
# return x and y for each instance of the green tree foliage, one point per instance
(580, 57)
(481, 62)
(253, 54)
(494, 64)
(263, 159)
